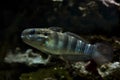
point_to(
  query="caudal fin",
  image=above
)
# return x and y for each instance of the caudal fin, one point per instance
(103, 53)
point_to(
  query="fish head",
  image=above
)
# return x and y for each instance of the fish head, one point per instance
(37, 37)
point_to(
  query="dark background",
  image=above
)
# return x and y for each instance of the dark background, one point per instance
(83, 17)
(93, 19)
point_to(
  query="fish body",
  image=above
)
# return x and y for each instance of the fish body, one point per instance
(69, 45)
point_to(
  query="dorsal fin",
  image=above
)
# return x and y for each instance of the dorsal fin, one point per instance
(57, 29)
(76, 36)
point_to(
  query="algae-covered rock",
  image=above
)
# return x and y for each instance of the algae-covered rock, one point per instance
(51, 73)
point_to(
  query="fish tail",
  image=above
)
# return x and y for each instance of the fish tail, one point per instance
(103, 53)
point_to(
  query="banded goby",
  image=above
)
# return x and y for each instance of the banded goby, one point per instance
(70, 46)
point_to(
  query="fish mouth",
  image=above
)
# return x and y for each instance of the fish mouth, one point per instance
(27, 34)
(23, 36)
(27, 37)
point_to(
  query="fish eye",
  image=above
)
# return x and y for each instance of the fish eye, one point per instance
(46, 34)
(32, 31)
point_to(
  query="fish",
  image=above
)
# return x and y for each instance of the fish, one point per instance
(53, 41)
